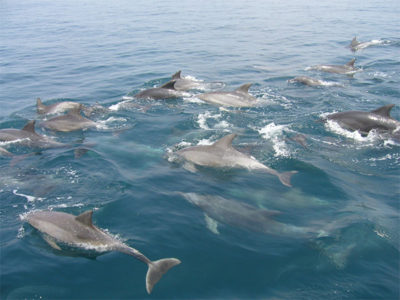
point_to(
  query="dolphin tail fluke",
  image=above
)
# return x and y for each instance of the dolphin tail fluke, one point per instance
(157, 269)
(285, 177)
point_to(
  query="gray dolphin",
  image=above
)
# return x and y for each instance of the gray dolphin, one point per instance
(221, 154)
(69, 122)
(56, 108)
(79, 231)
(184, 84)
(166, 91)
(237, 98)
(27, 136)
(347, 69)
(312, 81)
(355, 45)
(237, 214)
(364, 122)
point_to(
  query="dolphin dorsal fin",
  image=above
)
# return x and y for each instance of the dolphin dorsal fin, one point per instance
(384, 111)
(226, 141)
(351, 63)
(354, 41)
(244, 88)
(177, 75)
(30, 126)
(169, 85)
(85, 218)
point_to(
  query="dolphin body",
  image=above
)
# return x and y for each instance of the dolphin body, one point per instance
(378, 119)
(184, 84)
(166, 91)
(221, 154)
(347, 69)
(237, 98)
(79, 232)
(70, 122)
(27, 136)
(237, 214)
(355, 45)
(312, 81)
(56, 108)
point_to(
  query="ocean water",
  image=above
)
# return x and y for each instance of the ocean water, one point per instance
(347, 186)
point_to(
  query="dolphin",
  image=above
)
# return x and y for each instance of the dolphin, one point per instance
(184, 84)
(79, 232)
(355, 45)
(242, 215)
(27, 136)
(166, 91)
(312, 81)
(221, 154)
(347, 69)
(56, 108)
(378, 119)
(69, 122)
(237, 98)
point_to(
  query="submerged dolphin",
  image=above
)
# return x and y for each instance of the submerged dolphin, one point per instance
(165, 91)
(364, 122)
(4, 152)
(56, 108)
(347, 69)
(355, 45)
(79, 231)
(237, 214)
(312, 81)
(237, 98)
(221, 154)
(27, 136)
(69, 122)
(184, 84)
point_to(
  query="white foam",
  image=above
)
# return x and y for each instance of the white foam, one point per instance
(202, 119)
(205, 142)
(5, 143)
(121, 104)
(275, 134)
(193, 99)
(104, 124)
(28, 197)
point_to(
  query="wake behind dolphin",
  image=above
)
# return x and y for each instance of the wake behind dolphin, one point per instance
(221, 154)
(79, 231)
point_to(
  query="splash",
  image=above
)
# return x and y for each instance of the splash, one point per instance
(275, 134)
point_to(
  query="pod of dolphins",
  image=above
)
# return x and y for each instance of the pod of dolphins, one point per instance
(62, 230)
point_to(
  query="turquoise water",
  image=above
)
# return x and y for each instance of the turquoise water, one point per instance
(347, 186)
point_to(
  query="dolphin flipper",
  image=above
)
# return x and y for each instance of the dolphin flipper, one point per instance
(51, 242)
(190, 167)
(212, 224)
(285, 177)
(157, 269)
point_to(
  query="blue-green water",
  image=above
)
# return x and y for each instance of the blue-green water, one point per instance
(106, 51)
